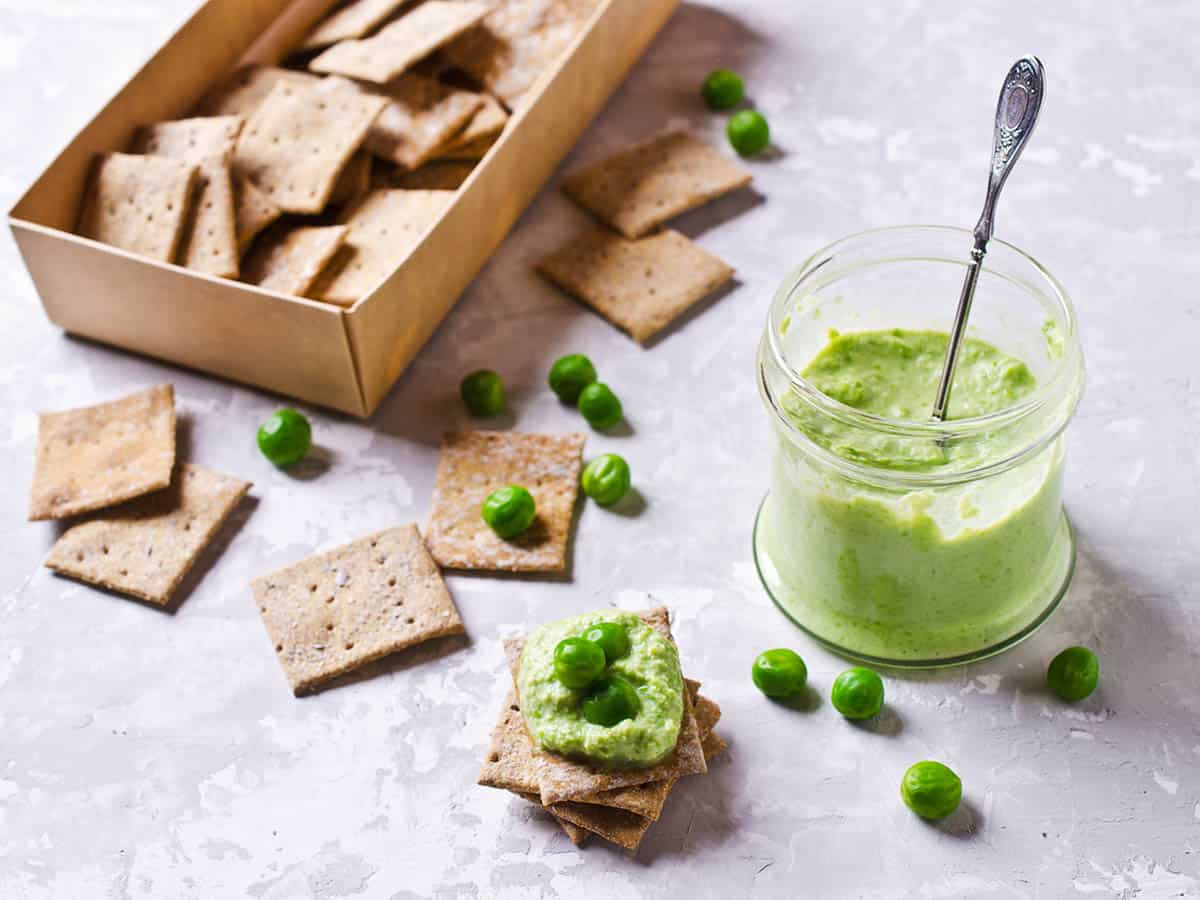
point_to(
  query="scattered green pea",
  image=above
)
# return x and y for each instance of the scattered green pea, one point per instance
(930, 789)
(1073, 673)
(599, 405)
(609, 637)
(483, 393)
(748, 132)
(612, 700)
(509, 511)
(606, 479)
(577, 663)
(569, 375)
(723, 89)
(858, 693)
(285, 437)
(779, 673)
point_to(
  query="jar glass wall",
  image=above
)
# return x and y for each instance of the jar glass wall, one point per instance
(964, 549)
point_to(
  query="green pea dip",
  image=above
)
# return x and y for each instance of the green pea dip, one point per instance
(552, 713)
(889, 570)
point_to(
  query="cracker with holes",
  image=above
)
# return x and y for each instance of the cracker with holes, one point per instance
(640, 188)
(144, 548)
(139, 203)
(474, 464)
(288, 258)
(248, 87)
(99, 456)
(209, 243)
(295, 145)
(382, 230)
(401, 44)
(253, 212)
(336, 611)
(640, 286)
(354, 20)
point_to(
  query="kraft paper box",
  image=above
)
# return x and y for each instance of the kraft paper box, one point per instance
(345, 359)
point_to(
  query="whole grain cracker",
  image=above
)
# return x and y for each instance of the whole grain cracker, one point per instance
(297, 142)
(383, 229)
(639, 188)
(288, 258)
(474, 464)
(144, 547)
(435, 175)
(191, 140)
(338, 610)
(253, 211)
(354, 180)
(640, 286)
(401, 44)
(98, 456)
(139, 203)
(473, 140)
(248, 87)
(354, 20)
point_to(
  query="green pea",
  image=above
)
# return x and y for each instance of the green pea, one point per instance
(722, 89)
(509, 511)
(748, 132)
(599, 405)
(930, 789)
(606, 479)
(285, 437)
(609, 637)
(569, 375)
(483, 393)
(779, 673)
(1073, 673)
(611, 701)
(858, 693)
(577, 663)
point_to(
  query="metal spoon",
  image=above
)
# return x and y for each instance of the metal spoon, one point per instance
(1016, 114)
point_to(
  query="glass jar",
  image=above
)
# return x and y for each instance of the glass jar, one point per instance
(964, 554)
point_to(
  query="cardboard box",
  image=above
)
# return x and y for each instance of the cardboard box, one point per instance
(346, 359)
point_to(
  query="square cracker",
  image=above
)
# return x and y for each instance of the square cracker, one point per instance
(402, 43)
(98, 456)
(473, 140)
(248, 87)
(383, 229)
(297, 142)
(639, 188)
(353, 20)
(474, 464)
(139, 203)
(191, 140)
(337, 611)
(253, 211)
(517, 42)
(145, 547)
(640, 286)
(422, 113)
(288, 258)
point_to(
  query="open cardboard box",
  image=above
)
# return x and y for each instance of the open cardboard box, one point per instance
(346, 359)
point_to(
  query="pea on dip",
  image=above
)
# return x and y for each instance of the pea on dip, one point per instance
(553, 713)
(890, 568)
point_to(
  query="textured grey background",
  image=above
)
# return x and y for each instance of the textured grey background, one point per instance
(146, 755)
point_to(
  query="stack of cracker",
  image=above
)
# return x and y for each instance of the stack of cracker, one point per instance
(145, 518)
(319, 181)
(619, 806)
(637, 276)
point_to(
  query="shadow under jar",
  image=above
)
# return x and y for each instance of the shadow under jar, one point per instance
(893, 538)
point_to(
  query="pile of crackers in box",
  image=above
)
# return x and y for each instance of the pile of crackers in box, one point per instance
(618, 805)
(318, 179)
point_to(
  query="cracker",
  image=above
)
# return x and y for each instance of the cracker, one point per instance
(383, 229)
(435, 175)
(473, 140)
(421, 114)
(354, 20)
(354, 181)
(296, 143)
(336, 611)
(640, 286)
(643, 186)
(517, 42)
(249, 86)
(402, 43)
(145, 547)
(473, 465)
(139, 203)
(191, 140)
(98, 456)
(253, 211)
(288, 258)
